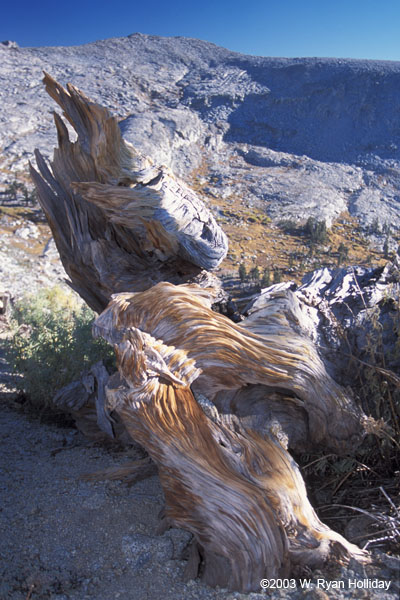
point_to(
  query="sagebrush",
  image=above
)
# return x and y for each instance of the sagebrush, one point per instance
(52, 342)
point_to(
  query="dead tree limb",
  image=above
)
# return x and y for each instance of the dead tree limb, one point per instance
(119, 222)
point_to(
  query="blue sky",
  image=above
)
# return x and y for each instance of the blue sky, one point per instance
(291, 28)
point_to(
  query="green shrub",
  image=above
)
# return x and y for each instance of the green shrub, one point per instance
(52, 342)
(255, 274)
(266, 278)
(316, 230)
(242, 272)
(289, 226)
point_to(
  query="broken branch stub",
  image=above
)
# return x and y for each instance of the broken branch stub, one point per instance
(119, 222)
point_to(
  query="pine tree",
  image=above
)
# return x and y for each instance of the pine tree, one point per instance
(316, 230)
(255, 274)
(266, 278)
(343, 253)
(386, 247)
(242, 272)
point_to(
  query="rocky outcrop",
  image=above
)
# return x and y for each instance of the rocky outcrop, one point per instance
(295, 137)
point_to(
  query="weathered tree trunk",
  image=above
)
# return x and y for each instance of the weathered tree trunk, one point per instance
(215, 404)
(238, 491)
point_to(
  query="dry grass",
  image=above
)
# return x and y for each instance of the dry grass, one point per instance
(13, 217)
(255, 241)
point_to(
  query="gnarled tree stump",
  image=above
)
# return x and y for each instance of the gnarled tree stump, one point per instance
(217, 405)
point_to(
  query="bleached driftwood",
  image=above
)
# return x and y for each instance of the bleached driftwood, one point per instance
(128, 228)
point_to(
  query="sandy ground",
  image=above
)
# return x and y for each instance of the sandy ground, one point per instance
(64, 538)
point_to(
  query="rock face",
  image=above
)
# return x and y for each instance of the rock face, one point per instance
(297, 137)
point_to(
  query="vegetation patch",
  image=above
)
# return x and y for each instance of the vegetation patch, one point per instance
(51, 343)
(290, 248)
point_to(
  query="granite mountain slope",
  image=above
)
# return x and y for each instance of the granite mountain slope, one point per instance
(290, 137)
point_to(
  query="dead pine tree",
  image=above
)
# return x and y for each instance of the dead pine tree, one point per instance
(216, 405)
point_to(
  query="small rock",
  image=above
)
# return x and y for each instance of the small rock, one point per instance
(29, 230)
(9, 44)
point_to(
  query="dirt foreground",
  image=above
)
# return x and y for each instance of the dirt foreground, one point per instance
(65, 538)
